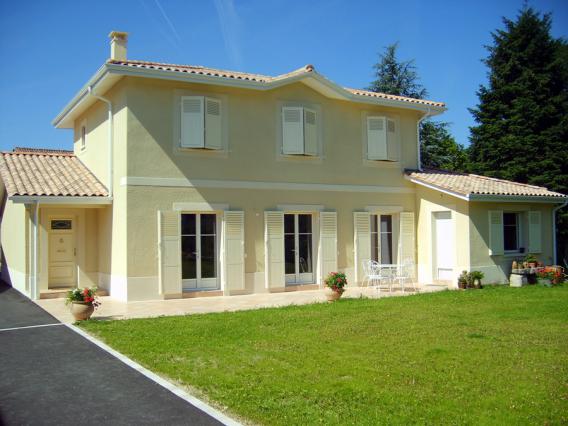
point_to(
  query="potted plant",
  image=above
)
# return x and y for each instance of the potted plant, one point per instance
(83, 302)
(531, 261)
(545, 277)
(475, 278)
(462, 280)
(335, 282)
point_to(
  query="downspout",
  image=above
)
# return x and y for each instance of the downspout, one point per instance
(420, 120)
(35, 289)
(554, 210)
(110, 139)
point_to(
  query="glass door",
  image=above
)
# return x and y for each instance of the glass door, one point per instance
(199, 266)
(298, 253)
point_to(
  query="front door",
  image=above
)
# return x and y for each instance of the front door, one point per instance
(444, 246)
(298, 251)
(62, 253)
(199, 249)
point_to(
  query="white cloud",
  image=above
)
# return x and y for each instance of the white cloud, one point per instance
(230, 27)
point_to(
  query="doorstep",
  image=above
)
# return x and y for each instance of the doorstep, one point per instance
(203, 293)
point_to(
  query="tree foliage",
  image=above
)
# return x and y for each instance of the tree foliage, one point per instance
(522, 115)
(438, 147)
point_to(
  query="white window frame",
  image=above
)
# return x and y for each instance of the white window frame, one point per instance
(83, 135)
(280, 155)
(376, 236)
(386, 163)
(308, 277)
(519, 220)
(177, 148)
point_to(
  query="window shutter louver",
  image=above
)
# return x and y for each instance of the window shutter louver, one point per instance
(362, 243)
(310, 132)
(535, 229)
(234, 246)
(213, 124)
(292, 130)
(406, 239)
(192, 122)
(169, 252)
(392, 146)
(328, 242)
(496, 246)
(274, 248)
(376, 138)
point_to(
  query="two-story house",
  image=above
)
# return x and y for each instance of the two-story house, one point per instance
(190, 181)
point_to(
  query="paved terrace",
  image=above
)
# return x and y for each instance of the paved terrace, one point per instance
(114, 309)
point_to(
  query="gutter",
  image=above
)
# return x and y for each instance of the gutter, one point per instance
(110, 139)
(554, 251)
(420, 120)
(52, 199)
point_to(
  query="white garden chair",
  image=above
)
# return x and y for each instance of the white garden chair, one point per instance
(405, 272)
(380, 275)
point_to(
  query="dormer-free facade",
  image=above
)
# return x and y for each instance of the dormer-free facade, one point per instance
(222, 182)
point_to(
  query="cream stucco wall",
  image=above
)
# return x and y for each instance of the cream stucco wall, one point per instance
(15, 230)
(428, 203)
(498, 268)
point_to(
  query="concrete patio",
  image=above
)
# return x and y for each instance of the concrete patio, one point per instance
(115, 309)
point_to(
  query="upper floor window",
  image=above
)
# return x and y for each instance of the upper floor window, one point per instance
(83, 137)
(201, 123)
(299, 131)
(381, 139)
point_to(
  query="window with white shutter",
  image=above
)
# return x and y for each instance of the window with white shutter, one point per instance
(299, 131)
(535, 231)
(328, 242)
(406, 239)
(201, 123)
(377, 138)
(274, 248)
(234, 227)
(362, 243)
(392, 144)
(496, 244)
(169, 252)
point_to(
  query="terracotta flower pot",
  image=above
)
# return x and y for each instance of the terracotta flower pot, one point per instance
(81, 310)
(332, 295)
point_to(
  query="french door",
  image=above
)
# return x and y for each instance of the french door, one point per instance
(199, 249)
(298, 248)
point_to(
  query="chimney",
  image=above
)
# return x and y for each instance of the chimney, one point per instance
(118, 41)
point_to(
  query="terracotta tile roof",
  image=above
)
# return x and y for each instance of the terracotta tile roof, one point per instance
(47, 172)
(467, 184)
(235, 75)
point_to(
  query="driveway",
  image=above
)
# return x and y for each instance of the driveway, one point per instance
(50, 375)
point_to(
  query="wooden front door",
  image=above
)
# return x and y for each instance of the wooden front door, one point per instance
(62, 253)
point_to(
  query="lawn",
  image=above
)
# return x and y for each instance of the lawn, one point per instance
(491, 356)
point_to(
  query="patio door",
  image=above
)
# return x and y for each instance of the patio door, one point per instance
(199, 251)
(62, 253)
(444, 246)
(298, 248)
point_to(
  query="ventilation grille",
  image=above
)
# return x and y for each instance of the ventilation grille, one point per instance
(170, 224)
(292, 115)
(328, 223)
(213, 107)
(310, 117)
(192, 106)
(362, 223)
(376, 124)
(390, 126)
(495, 218)
(274, 223)
(234, 223)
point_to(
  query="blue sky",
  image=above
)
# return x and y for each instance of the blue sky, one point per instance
(48, 49)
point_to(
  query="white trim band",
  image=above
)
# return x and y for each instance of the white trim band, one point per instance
(241, 184)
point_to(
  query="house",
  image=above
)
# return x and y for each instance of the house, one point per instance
(191, 181)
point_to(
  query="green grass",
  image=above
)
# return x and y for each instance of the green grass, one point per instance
(491, 356)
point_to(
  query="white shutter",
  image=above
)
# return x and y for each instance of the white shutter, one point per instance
(310, 132)
(496, 232)
(392, 145)
(292, 130)
(406, 241)
(234, 234)
(213, 124)
(535, 229)
(192, 122)
(328, 242)
(169, 252)
(274, 248)
(362, 243)
(376, 138)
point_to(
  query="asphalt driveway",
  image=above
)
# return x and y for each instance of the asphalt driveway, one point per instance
(50, 375)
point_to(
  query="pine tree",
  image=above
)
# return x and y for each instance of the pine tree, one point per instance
(438, 147)
(522, 115)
